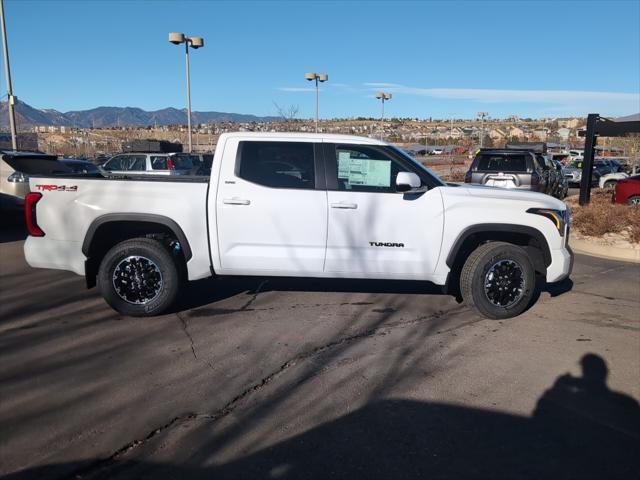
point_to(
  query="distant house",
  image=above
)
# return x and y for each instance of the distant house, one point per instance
(564, 133)
(571, 123)
(516, 132)
(541, 133)
(497, 134)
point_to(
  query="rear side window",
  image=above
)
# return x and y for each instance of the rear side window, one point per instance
(171, 162)
(277, 164)
(502, 163)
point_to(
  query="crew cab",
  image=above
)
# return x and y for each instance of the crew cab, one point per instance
(297, 205)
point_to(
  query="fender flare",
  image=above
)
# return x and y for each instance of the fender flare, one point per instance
(139, 218)
(502, 228)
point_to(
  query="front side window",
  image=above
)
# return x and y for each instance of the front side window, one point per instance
(278, 164)
(362, 168)
(114, 164)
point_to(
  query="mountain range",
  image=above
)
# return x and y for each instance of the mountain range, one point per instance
(104, 117)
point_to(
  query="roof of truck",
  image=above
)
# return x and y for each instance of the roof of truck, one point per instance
(332, 137)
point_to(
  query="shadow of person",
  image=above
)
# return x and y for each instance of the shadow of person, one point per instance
(582, 417)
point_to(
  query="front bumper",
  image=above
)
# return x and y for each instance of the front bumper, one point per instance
(561, 264)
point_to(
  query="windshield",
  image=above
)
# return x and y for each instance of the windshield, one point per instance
(413, 161)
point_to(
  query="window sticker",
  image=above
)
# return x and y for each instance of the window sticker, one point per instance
(369, 173)
(344, 160)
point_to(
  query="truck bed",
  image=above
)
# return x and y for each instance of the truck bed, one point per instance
(71, 203)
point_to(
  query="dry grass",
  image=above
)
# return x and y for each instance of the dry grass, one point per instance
(453, 176)
(601, 217)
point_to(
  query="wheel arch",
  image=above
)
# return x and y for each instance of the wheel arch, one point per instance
(112, 228)
(530, 239)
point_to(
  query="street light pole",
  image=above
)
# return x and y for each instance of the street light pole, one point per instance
(482, 116)
(195, 43)
(318, 77)
(11, 100)
(186, 49)
(384, 97)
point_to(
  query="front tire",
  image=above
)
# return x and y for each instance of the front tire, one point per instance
(139, 278)
(634, 201)
(498, 280)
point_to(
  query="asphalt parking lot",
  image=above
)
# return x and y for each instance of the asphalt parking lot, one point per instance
(288, 378)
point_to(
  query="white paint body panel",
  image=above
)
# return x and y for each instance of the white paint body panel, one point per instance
(288, 232)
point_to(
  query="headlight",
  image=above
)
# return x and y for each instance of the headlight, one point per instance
(18, 177)
(560, 218)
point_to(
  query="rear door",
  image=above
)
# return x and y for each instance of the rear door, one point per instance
(375, 231)
(271, 208)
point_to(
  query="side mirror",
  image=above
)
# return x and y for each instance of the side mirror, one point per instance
(406, 181)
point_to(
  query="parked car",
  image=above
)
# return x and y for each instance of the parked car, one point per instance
(610, 164)
(80, 166)
(573, 171)
(14, 185)
(302, 205)
(576, 155)
(627, 191)
(562, 188)
(437, 151)
(509, 168)
(609, 180)
(150, 164)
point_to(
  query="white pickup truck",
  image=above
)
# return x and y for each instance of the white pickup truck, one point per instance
(297, 205)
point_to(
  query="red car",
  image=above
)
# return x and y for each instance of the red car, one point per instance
(628, 191)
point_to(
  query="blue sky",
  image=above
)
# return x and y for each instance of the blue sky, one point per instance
(439, 59)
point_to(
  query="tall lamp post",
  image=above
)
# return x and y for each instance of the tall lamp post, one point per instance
(318, 77)
(195, 43)
(482, 116)
(384, 97)
(11, 100)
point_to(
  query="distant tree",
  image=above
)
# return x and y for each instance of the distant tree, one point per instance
(631, 146)
(289, 113)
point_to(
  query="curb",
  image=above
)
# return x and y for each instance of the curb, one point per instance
(604, 251)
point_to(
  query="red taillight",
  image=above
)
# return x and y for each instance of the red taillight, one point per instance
(170, 164)
(30, 202)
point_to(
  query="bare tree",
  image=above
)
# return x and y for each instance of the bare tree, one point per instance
(289, 113)
(631, 146)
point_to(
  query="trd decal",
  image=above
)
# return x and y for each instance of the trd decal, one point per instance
(386, 244)
(57, 188)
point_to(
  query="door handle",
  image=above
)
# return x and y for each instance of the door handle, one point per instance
(344, 205)
(236, 201)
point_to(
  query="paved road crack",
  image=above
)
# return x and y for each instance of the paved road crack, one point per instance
(231, 405)
(185, 329)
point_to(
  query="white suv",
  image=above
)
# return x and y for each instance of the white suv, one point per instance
(152, 164)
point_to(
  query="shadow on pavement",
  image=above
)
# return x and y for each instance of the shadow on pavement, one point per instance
(579, 429)
(201, 293)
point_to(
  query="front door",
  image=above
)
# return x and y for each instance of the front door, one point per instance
(271, 209)
(375, 231)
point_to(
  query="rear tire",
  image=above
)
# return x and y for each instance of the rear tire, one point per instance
(139, 278)
(498, 280)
